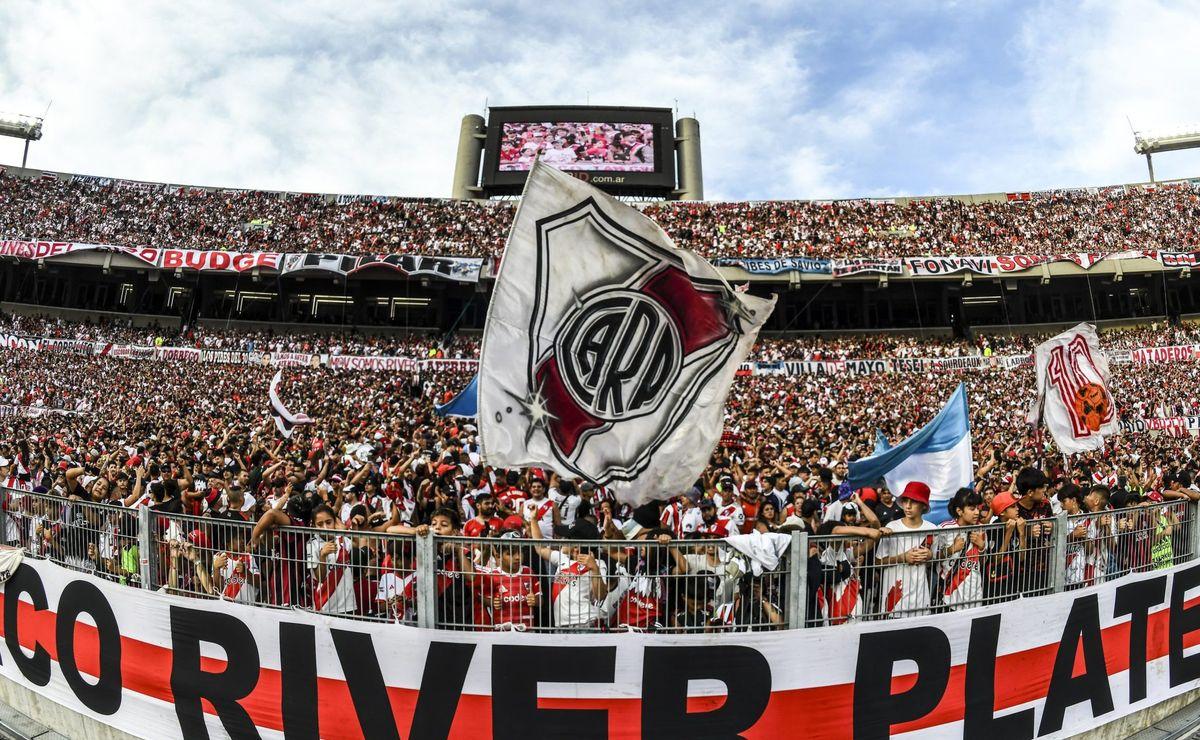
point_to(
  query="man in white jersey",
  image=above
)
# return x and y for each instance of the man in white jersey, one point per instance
(541, 509)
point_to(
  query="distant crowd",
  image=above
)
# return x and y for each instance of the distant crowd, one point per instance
(1086, 220)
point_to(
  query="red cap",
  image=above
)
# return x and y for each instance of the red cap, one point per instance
(1002, 501)
(198, 538)
(445, 468)
(917, 491)
(513, 523)
(869, 495)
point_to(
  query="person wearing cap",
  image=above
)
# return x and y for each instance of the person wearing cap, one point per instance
(711, 525)
(1034, 506)
(887, 508)
(905, 556)
(1007, 547)
(833, 510)
(675, 513)
(743, 510)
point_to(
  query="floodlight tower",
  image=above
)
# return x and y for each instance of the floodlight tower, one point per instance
(19, 126)
(1149, 145)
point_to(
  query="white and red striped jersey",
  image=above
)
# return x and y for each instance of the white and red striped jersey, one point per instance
(238, 578)
(542, 512)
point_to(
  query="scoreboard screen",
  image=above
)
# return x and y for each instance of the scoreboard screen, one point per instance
(614, 148)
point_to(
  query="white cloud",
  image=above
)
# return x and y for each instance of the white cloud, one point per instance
(367, 97)
(1086, 67)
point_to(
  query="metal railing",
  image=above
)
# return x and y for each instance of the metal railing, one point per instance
(661, 585)
(605, 586)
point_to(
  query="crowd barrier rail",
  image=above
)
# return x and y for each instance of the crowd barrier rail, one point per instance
(547, 585)
(169, 626)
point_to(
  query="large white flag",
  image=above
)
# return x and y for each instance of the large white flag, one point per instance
(608, 352)
(1072, 390)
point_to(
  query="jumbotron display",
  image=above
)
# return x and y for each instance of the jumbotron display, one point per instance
(597, 147)
(617, 148)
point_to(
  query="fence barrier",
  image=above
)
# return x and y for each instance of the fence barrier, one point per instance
(672, 586)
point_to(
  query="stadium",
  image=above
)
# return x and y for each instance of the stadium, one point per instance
(305, 464)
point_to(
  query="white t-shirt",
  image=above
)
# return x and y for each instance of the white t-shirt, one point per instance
(571, 592)
(904, 589)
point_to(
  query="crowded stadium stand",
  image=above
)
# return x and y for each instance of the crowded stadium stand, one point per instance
(142, 323)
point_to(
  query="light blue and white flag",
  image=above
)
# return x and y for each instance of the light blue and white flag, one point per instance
(938, 455)
(465, 404)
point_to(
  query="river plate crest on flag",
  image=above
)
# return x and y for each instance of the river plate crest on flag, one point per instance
(608, 352)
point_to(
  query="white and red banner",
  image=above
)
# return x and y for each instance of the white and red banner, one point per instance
(204, 260)
(461, 269)
(1174, 426)
(39, 250)
(1164, 355)
(159, 666)
(1073, 396)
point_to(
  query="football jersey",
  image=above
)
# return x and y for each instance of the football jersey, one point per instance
(571, 592)
(512, 589)
(237, 574)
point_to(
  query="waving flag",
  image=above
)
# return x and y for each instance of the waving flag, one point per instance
(465, 404)
(608, 352)
(1072, 390)
(285, 421)
(938, 455)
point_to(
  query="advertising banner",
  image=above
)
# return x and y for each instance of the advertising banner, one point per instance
(160, 666)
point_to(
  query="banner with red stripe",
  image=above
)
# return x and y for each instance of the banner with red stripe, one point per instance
(160, 666)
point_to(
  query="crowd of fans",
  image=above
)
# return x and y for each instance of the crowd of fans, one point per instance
(873, 345)
(1053, 222)
(196, 439)
(348, 342)
(420, 345)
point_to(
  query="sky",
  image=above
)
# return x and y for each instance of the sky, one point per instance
(795, 100)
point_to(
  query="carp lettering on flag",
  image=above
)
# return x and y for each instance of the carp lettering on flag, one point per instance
(1072, 390)
(285, 421)
(608, 352)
